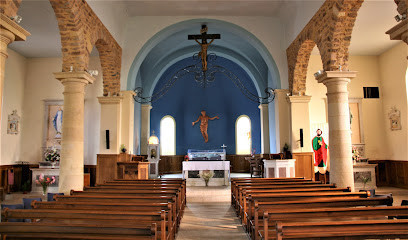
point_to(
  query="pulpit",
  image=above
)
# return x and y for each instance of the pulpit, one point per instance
(283, 168)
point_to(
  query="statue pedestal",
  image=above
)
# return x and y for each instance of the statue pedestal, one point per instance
(154, 167)
(284, 168)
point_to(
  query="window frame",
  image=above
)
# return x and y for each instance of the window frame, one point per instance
(236, 134)
(161, 140)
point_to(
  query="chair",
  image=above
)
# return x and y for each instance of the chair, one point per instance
(256, 167)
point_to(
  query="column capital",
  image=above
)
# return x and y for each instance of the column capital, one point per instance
(6, 23)
(263, 105)
(147, 106)
(281, 91)
(327, 76)
(110, 100)
(299, 99)
(399, 31)
(128, 92)
(80, 77)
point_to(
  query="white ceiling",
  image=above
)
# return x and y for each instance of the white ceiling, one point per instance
(374, 19)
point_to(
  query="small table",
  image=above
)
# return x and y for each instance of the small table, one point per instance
(363, 171)
(283, 168)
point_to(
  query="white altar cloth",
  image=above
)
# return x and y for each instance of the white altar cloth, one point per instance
(206, 165)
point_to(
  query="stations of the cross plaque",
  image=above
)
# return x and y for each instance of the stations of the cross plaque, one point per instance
(204, 44)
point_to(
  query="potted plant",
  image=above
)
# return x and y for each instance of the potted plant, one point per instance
(286, 151)
(26, 187)
(123, 148)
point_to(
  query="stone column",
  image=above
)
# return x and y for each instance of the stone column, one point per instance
(111, 113)
(282, 120)
(128, 119)
(265, 141)
(299, 119)
(9, 32)
(341, 165)
(145, 129)
(72, 146)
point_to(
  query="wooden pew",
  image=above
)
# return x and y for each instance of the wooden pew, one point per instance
(323, 214)
(120, 206)
(113, 199)
(47, 230)
(127, 192)
(260, 207)
(271, 197)
(92, 216)
(241, 189)
(371, 229)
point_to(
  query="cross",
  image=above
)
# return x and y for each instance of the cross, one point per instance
(204, 45)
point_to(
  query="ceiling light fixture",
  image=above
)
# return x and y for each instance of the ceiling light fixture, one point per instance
(17, 19)
(318, 73)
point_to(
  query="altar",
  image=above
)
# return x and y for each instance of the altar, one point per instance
(193, 169)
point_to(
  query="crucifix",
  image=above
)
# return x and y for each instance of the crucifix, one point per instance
(204, 44)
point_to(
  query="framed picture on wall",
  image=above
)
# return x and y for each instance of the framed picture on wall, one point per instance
(395, 119)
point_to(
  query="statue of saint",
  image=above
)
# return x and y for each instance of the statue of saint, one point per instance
(320, 150)
(203, 53)
(57, 122)
(204, 124)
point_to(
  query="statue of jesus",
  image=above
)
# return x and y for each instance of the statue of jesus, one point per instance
(204, 124)
(203, 53)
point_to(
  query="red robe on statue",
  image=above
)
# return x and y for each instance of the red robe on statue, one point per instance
(320, 150)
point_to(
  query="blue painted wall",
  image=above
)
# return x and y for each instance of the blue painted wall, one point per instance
(185, 100)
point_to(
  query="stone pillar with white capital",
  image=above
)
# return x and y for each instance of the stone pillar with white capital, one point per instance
(72, 145)
(145, 128)
(282, 121)
(341, 164)
(265, 141)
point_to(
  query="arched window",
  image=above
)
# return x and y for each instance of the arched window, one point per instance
(168, 136)
(243, 135)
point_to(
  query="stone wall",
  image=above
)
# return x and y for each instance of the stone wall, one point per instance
(9, 7)
(330, 29)
(80, 31)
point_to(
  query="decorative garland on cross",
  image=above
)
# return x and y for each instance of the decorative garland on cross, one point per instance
(204, 74)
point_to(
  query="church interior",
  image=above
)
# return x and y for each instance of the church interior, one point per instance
(222, 119)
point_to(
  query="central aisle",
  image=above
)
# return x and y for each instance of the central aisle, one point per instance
(209, 215)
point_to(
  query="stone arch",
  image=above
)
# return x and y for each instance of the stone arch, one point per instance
(80, 31)
(9, 7)
(330, 29)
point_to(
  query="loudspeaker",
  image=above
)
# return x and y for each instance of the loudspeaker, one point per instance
(301, 137)
(107, 140)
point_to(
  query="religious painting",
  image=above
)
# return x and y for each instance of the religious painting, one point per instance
(53, 124)
(395, 119)
(13, 123)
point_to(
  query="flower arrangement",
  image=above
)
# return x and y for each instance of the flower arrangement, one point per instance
(45, 182)
(356, 154)
(207, 175)
(123, 148)
(52, 154)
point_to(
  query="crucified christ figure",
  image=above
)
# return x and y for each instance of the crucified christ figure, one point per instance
(204, 124)
(203, 53)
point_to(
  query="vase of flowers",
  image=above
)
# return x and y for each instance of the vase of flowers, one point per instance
(356, 155)
(207, 175)
(45, 182)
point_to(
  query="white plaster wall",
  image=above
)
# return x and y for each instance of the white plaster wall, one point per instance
(13, 98)
(267, 29)
(41, 85)
(372, 111)
(393, 67)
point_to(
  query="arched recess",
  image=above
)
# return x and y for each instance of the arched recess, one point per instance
(330, 28)
(80, 31)
(192, 27)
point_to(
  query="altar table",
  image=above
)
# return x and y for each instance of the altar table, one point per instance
(283, 168)
(192, 170)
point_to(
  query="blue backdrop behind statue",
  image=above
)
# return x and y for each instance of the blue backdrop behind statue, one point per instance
(185, 100)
